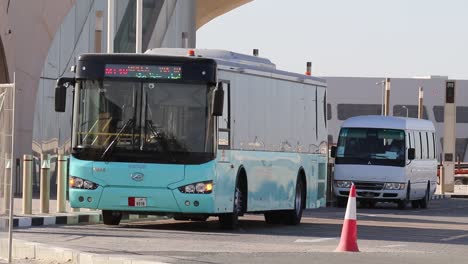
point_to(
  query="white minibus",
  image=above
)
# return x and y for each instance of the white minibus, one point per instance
(389, 159)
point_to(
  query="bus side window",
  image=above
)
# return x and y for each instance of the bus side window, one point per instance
(424, 149)
(408, 141)
(430, 150)
(434, 145)
(417, 144)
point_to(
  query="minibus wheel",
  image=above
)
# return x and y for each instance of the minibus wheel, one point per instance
(424, 202)
(402, 203)
(341, 202)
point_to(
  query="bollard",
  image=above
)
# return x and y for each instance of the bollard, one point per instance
(27, 183)
(45, 183)
(62, 183)
(6, 185)
(442, 180)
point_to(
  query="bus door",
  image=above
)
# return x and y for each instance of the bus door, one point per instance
(224, 121)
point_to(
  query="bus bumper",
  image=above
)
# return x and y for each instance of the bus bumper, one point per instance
(158, 200)
(375, 195)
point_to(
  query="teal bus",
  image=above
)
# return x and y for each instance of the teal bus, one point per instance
(191, 134)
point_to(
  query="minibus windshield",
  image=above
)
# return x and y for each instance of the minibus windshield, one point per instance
(372, 146)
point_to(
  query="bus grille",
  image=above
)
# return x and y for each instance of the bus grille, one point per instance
(375, 186)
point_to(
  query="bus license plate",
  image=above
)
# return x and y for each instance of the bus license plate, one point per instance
(137, 201)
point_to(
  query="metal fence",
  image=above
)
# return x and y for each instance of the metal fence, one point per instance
(7, 166)
(6, 136)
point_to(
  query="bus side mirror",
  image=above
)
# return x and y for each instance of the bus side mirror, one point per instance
(61, 93)
(333, 152)
(411, 153)
(218, 100)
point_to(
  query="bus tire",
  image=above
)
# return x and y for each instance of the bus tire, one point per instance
(199, 218)
(111, 217)
(230, 221)
(424, 202)
(273, 217)
(293, 217)
(180, 217)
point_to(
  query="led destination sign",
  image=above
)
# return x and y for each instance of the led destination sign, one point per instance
(143, 71)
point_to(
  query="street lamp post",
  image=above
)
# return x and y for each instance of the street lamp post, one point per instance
(383, 95)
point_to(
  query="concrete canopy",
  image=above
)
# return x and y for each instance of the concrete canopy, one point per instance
(210, 9)
(27, 29)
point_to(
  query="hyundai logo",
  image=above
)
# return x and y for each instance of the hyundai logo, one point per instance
(137, 176)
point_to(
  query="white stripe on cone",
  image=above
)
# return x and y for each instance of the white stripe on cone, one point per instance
(348, 240)
(351, 207)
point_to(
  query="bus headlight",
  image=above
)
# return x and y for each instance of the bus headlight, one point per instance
(343, 184)
(78, 183)
(198, 187)
(394, 186)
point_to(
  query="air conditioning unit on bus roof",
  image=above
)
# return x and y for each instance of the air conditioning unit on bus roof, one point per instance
(222, 56)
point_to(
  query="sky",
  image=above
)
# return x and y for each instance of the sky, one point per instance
(352, 38)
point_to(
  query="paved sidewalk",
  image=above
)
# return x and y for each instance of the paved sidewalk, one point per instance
(32, 252)
(71, 216)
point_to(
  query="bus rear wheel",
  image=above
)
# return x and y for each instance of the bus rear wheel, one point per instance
(111, 217)
(293, 217)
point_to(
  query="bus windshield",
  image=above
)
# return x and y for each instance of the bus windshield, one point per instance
(372, 146)
(142, 121)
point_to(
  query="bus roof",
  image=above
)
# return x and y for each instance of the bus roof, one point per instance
(391, 122)
(233, 60)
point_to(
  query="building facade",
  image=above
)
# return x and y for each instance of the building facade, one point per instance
(351, 96)
(40, 40)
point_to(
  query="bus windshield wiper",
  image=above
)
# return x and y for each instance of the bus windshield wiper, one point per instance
(161, 138)
(111, 146)
(380, 156)
(364, 157)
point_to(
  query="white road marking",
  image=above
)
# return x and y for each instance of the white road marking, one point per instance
(318, 240)
(393, 246)
(368, 215)
(454, 237)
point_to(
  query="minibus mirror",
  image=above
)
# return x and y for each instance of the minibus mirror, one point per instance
(61, 93)
(411, 153)
(333, 152)
(218, 100)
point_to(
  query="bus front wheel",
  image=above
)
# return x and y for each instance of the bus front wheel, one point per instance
(111, 217)
(231, 220)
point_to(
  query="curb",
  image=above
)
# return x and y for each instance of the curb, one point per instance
(27, 221)
(441, 196)
(37, 251)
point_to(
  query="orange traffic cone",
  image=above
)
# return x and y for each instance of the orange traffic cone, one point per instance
(348, 241)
